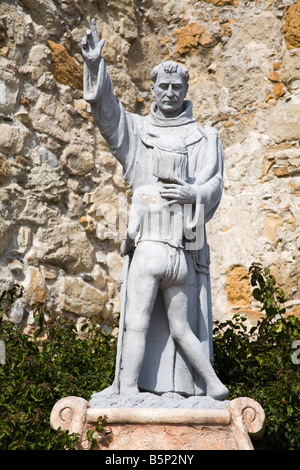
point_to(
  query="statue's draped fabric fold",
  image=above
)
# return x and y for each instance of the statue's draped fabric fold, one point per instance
(131, 139)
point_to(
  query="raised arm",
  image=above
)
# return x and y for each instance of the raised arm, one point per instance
(91, 48)
(107, 111)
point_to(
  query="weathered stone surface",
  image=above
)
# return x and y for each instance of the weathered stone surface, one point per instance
(237, 286)
(66, 69)
(46, 183)
(24, 239)
(17, 311)
(43, 12)
(48, 142)
(282, 120)
(77, 161)
(221, 3)
(4, 170)
(292, 26)
(124, 88)
(63, 243)
(272, 223)
(12, 138)
(82, 299)
(191, 37)
(143, 55)
(290, 72)
(35, 286)
(5, 230)
(9, 89)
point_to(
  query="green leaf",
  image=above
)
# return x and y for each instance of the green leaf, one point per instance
(257, 294)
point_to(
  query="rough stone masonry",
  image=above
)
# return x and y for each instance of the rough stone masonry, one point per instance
(63, 201)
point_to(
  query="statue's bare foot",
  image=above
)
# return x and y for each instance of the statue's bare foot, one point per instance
(215, 389)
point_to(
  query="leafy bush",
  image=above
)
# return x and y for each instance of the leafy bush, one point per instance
(42, 368)
(258, 363)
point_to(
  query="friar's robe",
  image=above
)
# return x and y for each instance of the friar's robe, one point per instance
(131, 139)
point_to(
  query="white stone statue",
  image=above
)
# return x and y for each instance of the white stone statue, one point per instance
(174, 168)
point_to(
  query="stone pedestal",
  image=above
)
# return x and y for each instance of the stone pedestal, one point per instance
(228, 428)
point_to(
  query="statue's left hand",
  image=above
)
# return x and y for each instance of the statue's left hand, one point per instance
(179, 192)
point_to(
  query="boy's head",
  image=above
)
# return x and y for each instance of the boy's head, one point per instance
(170, 158)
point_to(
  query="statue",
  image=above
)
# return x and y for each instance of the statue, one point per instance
(174, 168)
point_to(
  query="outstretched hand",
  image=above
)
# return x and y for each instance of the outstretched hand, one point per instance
(178, 192)
(91, 46)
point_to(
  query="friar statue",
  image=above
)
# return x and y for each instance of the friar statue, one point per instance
(169, 161)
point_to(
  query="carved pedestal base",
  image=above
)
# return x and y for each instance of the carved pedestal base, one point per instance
(229, 428)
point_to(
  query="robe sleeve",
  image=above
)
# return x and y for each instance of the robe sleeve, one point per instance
(209, 193)
(115, 124)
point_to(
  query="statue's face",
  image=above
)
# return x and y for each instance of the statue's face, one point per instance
(169, 90)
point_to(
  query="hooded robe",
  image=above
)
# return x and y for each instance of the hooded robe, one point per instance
(131, 139)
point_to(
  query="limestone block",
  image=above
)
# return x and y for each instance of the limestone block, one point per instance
(273, 222)
(5, 231)
(66, 69)
(113, 44)
(191, 37)
(44, 12)
(39, 59)
(142, 57)
(75, 205)
(4, 170)
(81, 298)
(63, 243)
(221, 3)
(229, 428)
(292, 26)
(99, 277)
(47, 156)
(35, 286)
(46, 82)
(283, 121)
(128, 28)
(36, 212)
(106, 208)
(39, 55)
(46, 183)
(77, 161)
(290, 71)
(238, 287)
(12, 138)
(17, 311)
(88, 223)
(24, 239)
(123, 88)
(115, 265)
(9, 89)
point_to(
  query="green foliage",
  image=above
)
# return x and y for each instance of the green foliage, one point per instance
(100, 432)
(258, 362)
(42, 368)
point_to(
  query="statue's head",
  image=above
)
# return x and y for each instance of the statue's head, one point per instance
(169, 87)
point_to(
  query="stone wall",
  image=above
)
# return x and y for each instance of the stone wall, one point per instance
(63, 202)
